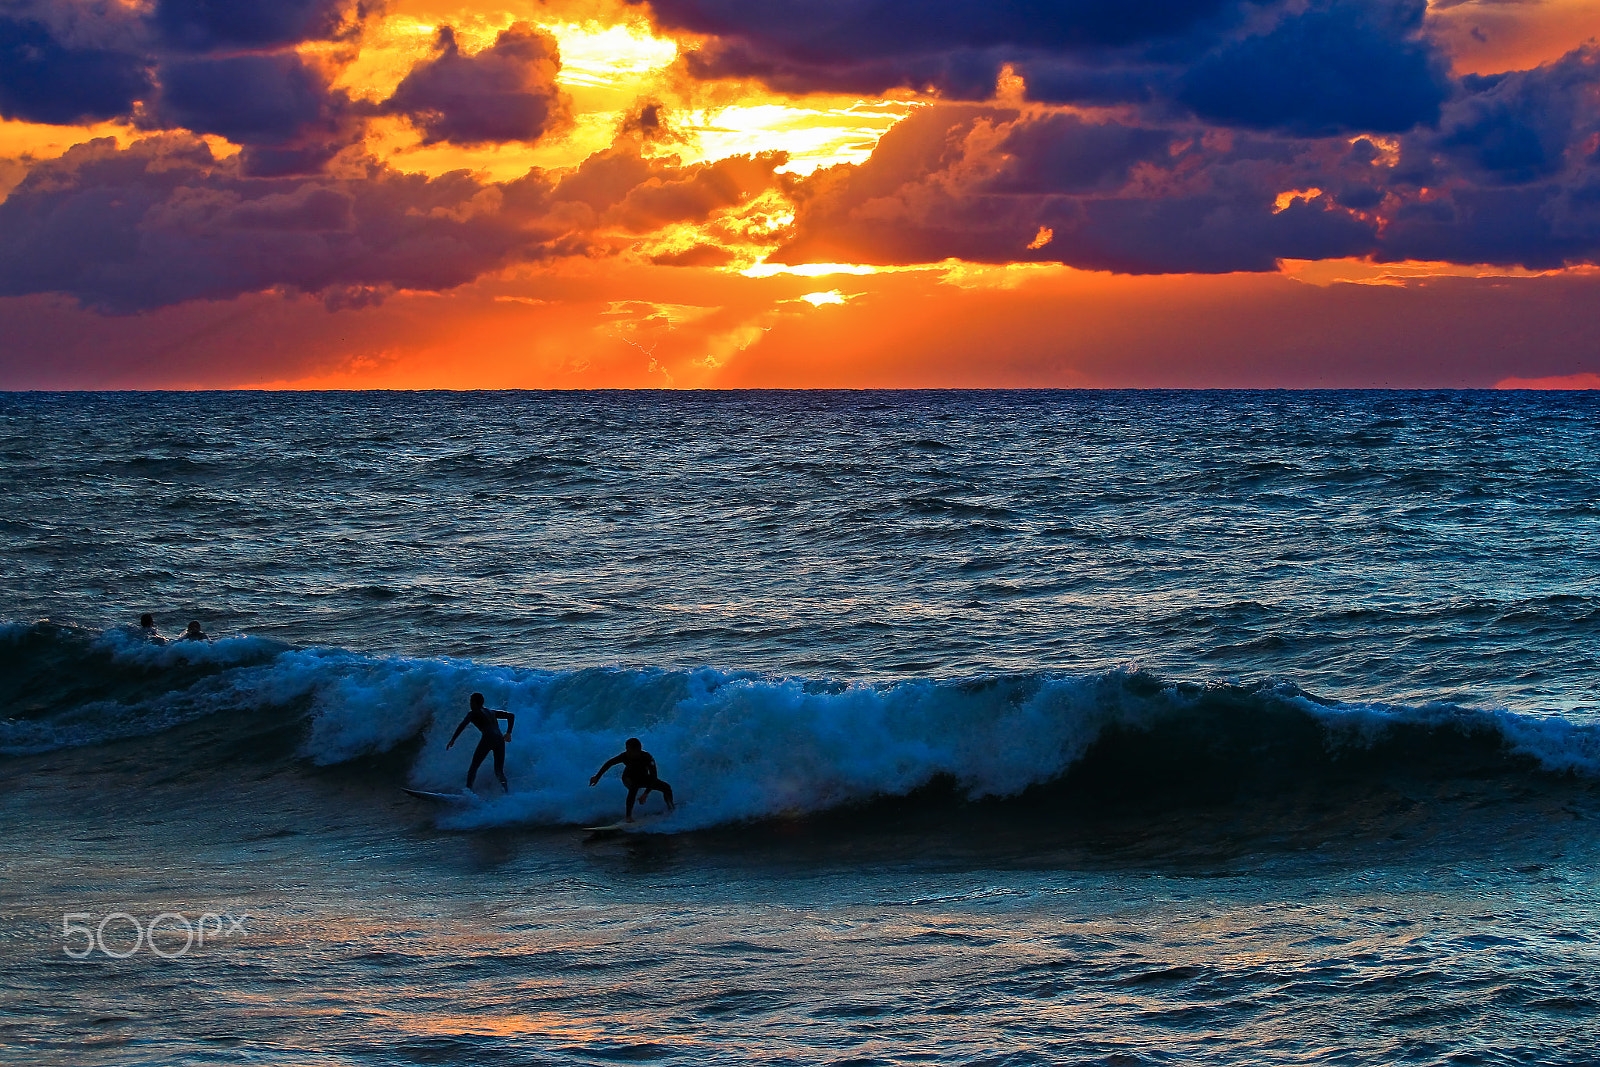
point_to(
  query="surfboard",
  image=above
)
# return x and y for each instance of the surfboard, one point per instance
(611, 828)
(441, 798)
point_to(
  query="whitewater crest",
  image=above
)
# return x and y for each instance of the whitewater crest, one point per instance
(736, 745)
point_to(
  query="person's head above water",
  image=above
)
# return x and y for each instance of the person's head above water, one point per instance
(194, 626)
(476, 700)
(633, 744)
(147, 620)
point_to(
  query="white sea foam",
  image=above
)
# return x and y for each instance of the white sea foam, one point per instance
(209, 676)
(739, 747)
(735, 746)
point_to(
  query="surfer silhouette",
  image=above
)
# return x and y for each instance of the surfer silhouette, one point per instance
(491, 741)
(638, 772)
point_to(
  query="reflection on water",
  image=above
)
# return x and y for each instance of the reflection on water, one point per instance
(937, 816)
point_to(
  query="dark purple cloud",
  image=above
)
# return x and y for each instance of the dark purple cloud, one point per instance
(955, 47)
(841, 32)
(277, 106)
(223, 67)
(212, 25)
(1346, 65)
(44, 79)
(624, 189)
(1305, 68)
(996, 185)
(1521, 126)
(164, 221)
(1064, 153)
(1509, 175)
(506, 92)
(249, 99)
(694, 194)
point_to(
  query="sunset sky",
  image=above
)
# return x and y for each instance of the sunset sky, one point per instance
(728, 193)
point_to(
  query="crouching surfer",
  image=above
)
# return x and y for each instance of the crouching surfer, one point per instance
(638, 772)
(491, 741)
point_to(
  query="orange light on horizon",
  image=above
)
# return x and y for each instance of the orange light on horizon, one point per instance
(1585, 381)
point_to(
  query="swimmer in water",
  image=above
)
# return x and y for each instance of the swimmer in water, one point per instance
(491, 741)
(194, 633)
(147, 628)
(638, 772)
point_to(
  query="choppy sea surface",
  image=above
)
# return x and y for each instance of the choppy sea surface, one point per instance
(1005, 728)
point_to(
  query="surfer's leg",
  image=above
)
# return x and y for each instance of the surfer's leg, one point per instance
(666, 792)
(477, 759)
(632, 789)
(500, 764)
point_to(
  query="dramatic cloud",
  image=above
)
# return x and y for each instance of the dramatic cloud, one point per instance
(989, 185)
(1350, 65)
(279, 107)
(1322, 67)
(165, 221)
(1063, 153)
(1509, 174)
(1131, 138)
(638, 196)
(507, 92)
(211, 25)
(43, 79)
(955, 46)
(222, 67)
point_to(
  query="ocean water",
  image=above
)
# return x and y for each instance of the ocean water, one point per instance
(1005, 727)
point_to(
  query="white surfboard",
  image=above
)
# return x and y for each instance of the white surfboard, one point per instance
(442, 798)
(624, 827)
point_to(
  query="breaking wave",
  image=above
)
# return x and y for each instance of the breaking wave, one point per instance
(740, 746)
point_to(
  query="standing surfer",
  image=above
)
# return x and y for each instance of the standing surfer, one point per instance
(492, 741)
(638, 772)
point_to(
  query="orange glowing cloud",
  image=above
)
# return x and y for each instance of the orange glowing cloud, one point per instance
(1489, 36)
(831, 200)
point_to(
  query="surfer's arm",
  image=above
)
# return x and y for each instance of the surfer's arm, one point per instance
(457, 734)
(610, 763)
(511, 721)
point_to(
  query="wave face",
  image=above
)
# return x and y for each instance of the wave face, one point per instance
(741, 746)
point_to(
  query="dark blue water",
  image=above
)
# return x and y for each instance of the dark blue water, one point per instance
(1006, 727)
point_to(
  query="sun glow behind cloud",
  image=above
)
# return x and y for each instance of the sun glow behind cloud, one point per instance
(818, 136)
(814, 270)
(610, 70)
(942, 189)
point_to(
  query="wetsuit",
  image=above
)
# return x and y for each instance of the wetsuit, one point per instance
(491, 741)
(638, 772)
